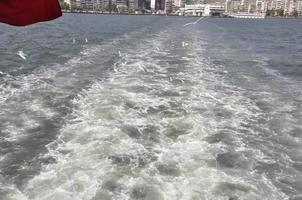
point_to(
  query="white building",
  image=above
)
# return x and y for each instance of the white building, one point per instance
(299, 7)
(261, 6)
(177, 3)
(279, 4)
(152, 4)
(203, 10)
(70, 3)
(293, 6)
(213, 10)
(244, 5)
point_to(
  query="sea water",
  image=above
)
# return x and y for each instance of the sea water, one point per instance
(117, 107)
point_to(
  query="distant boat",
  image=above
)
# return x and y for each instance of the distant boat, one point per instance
(247, 15)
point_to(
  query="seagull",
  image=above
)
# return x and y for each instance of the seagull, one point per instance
(22, 55)
(86, 40)
(73, 41)
(193, 23)
(119, 53)
(184, 44)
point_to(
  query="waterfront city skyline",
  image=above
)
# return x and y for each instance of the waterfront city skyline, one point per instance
(188, 7)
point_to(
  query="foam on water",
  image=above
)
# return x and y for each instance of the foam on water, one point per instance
(10, 192)
(46, 78)
(32, 106)
(147, 132)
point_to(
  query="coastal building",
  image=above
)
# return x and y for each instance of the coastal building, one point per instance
(269, 4)
(287, 6)
(92, 5)
(158, 5)
(244, 5)
(192, 2)
(121, 3)
(203, 10)
(279, 5)
(284, 7)
(299, 7)
(261, 6)
(97, 5)
(168, 6)
(142, 5)
(71, 3)
(152, 4)
(213, 10)
(177, 4)
(293, 6)
(190, 7)
(236, 5)
(228, 6)
(78, 3)
(132, 5)
(193, 10)
(68, 2)
(104, 5)
(86, 4)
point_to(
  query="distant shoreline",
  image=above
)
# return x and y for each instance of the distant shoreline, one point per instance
(169, 15)
(147, 14)
(112, 13)
(133, 14)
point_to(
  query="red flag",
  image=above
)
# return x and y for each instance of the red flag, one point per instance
(25, 12)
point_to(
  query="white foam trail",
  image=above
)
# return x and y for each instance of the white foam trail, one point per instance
(26, 83)
(193, 23)
(119, 53)
(22, 55)
(73, 41)
(86, 40)
(190, 23)
(105, 140)
(117, 125)
(10, 192)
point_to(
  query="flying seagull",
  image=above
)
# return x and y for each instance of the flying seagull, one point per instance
(22, 55)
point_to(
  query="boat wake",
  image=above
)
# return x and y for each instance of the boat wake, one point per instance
(193, 23)
(147, 131)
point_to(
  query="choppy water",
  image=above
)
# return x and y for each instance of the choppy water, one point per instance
(146, 108)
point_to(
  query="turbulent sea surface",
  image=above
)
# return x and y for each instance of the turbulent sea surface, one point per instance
(142, 107)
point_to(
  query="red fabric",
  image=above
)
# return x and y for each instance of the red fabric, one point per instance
(25, 12)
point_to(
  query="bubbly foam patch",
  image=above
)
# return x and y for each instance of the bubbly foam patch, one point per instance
(147, 133)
